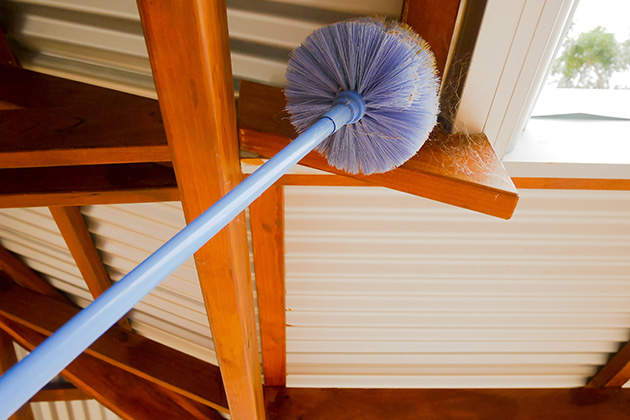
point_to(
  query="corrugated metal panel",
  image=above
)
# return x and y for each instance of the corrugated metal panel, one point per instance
(387, 290)
(101, 41)
(72, 410)
(173, 313)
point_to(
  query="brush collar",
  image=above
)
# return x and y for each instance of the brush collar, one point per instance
(354, 101)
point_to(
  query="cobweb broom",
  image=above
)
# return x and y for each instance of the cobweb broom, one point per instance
(391, 67)
(363, 92)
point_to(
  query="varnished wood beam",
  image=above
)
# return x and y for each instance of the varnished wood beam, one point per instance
(190, 57)
(615, 373)
(128, 396)
(457, 169)
(24, 276)
(149, 183)
(7, 359)
(440, 404)
(63, 392)
(267, 221)
(572, 184)
(79, 241)
(86, 185)
(6, 55)
(59, 122)
(433, 20)
(181, 373)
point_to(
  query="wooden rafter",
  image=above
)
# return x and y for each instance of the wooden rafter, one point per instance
(440, 404)
(615, 373)
(150, 183)
(130, 397)
(6, 55)
(144, 358)
(86, 185)
(190, 58)
(62, 392)
(267, 223)
(79, 241)
(7, 359)
(24, 276)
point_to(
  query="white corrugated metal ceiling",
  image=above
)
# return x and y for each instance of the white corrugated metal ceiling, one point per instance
(383, 289)
(101, 41)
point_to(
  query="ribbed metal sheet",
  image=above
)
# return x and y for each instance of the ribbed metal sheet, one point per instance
(389, 290)
(101, 41)
(173, 313)
(72, 410)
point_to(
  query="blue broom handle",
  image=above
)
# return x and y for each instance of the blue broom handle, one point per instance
(27, 377)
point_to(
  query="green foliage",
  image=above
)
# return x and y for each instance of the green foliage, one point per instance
(590, 60)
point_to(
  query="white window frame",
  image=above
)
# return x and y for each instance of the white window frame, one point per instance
(516, 43)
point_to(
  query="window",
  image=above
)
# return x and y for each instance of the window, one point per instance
(509, 69)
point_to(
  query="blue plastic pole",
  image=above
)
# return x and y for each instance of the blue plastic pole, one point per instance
(27, 377)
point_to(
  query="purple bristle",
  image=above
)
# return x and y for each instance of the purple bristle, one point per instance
(394, 71)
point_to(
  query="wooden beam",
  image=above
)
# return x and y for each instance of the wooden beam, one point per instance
(7, 359)
(6, 55)
(572, 184)
(458, 169)
(57, 122)
(24, 276)
(87, 185)
(120, 348)
(149, 183)
(190, 57)
(433, 20)
(440, 404)
(267, 222)
(63, 392)
(79, 241)
(615, 373)
(128, 396)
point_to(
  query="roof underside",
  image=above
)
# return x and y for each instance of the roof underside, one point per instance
(384, 289)
(387, 290)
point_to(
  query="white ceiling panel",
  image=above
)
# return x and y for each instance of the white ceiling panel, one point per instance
(384, 288)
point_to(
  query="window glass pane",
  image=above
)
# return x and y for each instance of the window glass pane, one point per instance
(591, 72)
(582, 114)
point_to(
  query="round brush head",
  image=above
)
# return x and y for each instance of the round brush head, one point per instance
(391, 67)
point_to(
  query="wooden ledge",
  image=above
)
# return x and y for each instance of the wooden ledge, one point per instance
(457, 169)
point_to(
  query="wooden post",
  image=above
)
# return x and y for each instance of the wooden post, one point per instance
(267, 220)
(190, 57)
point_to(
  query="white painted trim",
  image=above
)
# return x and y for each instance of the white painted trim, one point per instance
(515, 46)
(567, 170)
